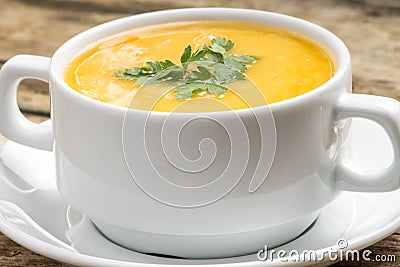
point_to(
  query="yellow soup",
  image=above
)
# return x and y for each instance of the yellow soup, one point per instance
(287, 65)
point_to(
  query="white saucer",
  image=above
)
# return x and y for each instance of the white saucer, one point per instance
(33, 214)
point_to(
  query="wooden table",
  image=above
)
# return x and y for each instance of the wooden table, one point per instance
(370, 28)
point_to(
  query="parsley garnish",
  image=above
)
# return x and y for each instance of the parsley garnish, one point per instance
(201, 70)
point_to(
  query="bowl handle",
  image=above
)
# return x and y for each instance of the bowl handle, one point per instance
(386, 112)
(13, 123)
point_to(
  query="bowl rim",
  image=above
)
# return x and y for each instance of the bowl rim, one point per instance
(342, 59)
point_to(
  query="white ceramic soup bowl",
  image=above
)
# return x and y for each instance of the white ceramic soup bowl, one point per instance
(202, 185)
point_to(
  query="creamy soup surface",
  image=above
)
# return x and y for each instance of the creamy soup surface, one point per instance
(287, 65)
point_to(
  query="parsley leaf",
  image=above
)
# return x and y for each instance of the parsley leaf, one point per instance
(151, 68)
(187, 90)
(123, 75)
(217, 49)
(204, 69)
(217, 89)
(227, 74)
(186, 54)
(229, 61)
(222, 42)
(201, 75)
(188, 57)
(172, 74)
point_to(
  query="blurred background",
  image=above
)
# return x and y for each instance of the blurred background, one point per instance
(370, 28)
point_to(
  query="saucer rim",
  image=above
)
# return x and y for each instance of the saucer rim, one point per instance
(41, 247)
(60, 254)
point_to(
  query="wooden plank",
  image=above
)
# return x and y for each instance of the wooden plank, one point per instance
(33, 97)
(106, 7)
(388, 246)
(31, 29)
(3, 140)
(12, 254)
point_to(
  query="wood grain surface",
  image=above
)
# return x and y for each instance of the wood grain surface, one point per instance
(370, 28)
